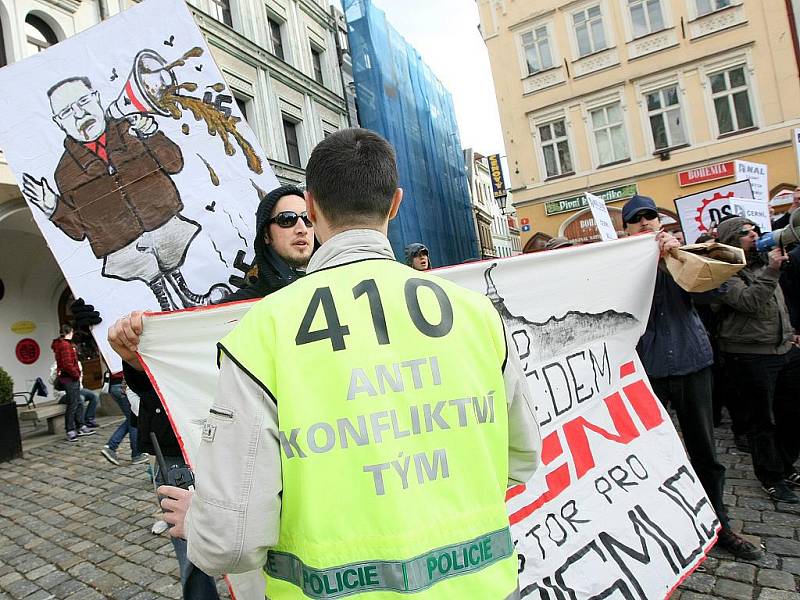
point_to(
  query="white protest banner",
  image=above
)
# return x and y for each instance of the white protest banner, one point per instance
(602, 220)
(756, 173)
(755, 210)
(136, 162)
(615, 504)
(700, 212)
(796, 143)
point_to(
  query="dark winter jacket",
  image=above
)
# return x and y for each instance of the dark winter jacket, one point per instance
(66, 359)
(272, 273)
(754, 318)
(675, 341)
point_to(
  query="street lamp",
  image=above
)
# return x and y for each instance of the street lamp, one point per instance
(501, 202)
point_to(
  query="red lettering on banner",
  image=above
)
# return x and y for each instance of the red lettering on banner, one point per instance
(578, 440)
(646, 407)
(557, 480)
(628, 368)
(644, 403)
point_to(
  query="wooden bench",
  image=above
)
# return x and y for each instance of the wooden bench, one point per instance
(49, 412)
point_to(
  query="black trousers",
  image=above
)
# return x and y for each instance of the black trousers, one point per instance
(690, 396)
(769, 385)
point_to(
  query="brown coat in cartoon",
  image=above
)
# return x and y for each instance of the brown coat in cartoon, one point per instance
(113, 203)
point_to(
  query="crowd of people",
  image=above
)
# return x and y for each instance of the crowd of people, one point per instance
(735, 345)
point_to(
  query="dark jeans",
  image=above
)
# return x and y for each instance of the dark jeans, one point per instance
(769, 386)
(691, 398)
(125, 428)
(90, 398)
(73, 418)
(196, 584)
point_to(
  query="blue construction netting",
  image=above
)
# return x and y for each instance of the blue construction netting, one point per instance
(399, 97)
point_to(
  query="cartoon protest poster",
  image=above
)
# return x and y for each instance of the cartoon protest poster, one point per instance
(138, 167)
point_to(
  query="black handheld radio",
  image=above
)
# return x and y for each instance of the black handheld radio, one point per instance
(174, 475)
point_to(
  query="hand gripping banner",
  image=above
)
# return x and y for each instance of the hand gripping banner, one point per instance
(615, 509)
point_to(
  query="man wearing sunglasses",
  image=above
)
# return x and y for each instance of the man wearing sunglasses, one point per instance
(758, 341)
(283, 246)
(304, 420)
(676, 354)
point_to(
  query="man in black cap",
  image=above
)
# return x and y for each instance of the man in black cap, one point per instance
(677, 357)
(417, 257)
(283, 246)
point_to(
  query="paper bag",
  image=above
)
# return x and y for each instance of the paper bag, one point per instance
(704, 267)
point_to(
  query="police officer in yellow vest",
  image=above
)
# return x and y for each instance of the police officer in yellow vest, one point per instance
(368, 418)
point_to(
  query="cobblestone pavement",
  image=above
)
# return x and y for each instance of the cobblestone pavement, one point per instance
(760, 520)
(74, 526)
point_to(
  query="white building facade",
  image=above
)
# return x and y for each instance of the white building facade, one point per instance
(281, 61)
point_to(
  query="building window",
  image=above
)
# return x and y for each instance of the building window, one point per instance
(39, 35)
(316, 59)
(609, 134)
(292, 147)
(555, 148)
(731, 100)
(243, 108)
(666, 118)
(536, 47)
(708, 6)
(589, 30)
(221, 11)
(277, 40)
(646, 16)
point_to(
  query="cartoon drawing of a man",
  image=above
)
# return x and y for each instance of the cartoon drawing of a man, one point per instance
(114, 189)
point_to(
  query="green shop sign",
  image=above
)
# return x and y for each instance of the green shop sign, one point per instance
(578, 202)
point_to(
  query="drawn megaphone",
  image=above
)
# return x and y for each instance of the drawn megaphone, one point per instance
(146, 84)
(783, 236)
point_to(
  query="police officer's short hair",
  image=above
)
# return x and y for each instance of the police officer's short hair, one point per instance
(352, 174)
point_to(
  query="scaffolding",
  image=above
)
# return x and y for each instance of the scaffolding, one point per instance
(399, 97)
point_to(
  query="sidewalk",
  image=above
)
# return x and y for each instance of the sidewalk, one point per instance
(760, 520)
(74, 526)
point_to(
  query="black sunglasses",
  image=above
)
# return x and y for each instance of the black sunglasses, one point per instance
(288, 218)
(647, 214)
(743, 232)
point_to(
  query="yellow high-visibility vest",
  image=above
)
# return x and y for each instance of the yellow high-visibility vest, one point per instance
(393, 430)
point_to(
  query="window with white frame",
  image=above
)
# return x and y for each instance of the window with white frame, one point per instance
(276, 37)
(221, 11)
(316, 62)
(609, 133)
(666, 118)
(708, 6)
(555, 148)
(731, 97)
(647, 16)
(589, 32)
(536, 48)
(292, 143)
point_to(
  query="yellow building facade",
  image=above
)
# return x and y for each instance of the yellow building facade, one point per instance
(654, 97)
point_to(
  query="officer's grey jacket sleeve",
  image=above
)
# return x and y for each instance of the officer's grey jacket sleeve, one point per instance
(524, 440)
(235, 512)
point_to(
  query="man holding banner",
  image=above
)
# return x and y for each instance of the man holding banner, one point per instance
(414, 414)
(677, 356)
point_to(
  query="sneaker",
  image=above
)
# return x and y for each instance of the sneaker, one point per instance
(92, 424)
(780, 492)
(72, 436)
(140, 458)
(110, 455)
(793, 479)
(84, 430)
(742, 443)
(159, 527)
(738, 546)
